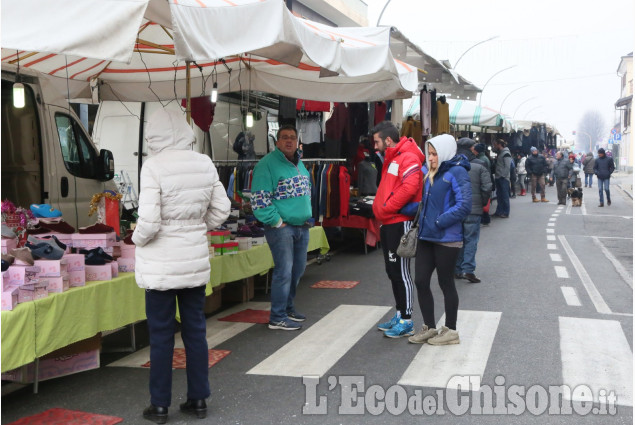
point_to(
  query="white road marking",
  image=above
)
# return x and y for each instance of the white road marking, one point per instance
(555, 257)
(570, 296)
(596, 353)
(552, 246)
(217, 332)
(599, 237)
(568, 209)
(551, 230)
(624, 274)
(552, 219)
(561, 272)
(434, 366)
(583, 207)
(551, 224)
(593, 292)
(315, 350)
(551, 237)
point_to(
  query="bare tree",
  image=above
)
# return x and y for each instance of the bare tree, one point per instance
(591, 130)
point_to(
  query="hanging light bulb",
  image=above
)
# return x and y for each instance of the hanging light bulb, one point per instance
(249, 120)
(215, 92)
(18, 95)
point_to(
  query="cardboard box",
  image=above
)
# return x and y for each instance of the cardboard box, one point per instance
(22, 275)
(9, 298)
(218, 237)
(75, 262)
(260, 240)
(9, 244)
(58, 284)
(94, 240)
(77, 357)
(26, 293)
(114, 269)
(98, 272)
(77, 278)
(127, 251)
(125, 264)
(52, 268)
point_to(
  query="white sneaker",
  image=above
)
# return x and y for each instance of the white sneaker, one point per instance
(447, 336)
(423, 335)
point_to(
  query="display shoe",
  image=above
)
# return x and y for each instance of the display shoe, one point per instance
(57, 226)
(256, 231)
(45, 251)
(96, 256)
(156, 414)
(7, 232)
(51, 240)
(194, 407)
(96, 228)
(245, 230)
(45, 210)
(22, 256)
(37, 230)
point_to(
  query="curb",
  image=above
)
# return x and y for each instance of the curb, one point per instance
(630, 195)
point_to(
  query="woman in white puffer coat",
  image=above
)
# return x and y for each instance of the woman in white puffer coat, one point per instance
(180, 198)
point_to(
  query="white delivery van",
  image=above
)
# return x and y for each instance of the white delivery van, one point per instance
(118, 128)
(47, 155)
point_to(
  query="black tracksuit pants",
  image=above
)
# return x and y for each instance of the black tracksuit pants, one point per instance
(397, 268)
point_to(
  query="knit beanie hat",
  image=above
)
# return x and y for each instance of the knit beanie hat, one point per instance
(480, 148)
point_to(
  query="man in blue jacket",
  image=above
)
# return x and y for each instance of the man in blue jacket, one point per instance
(603, 168)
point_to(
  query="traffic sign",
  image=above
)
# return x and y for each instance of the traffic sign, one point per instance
(618, 136)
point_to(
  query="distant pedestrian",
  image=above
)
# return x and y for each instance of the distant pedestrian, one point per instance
(603, 168)
(588, 163)
(575, 171)
(502, 168)
(536, 166)
(521, 172)
(480, 149)
(446, 201)
(551, 161)
(481, 184)
(561, 174)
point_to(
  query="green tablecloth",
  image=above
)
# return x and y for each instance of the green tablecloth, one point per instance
(36, 328)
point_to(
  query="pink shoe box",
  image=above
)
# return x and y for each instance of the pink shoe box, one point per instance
(126, 264)
(52, 268)
(77, 278)
(53, 367)
(41, 290)
(21, 275)
(98, 272)
(9, 298)
(9, 244)
(75, 262)
(65, 238)
(127, 251)
(58, 284)
(26, 293)
(94, 240)
(114, 268)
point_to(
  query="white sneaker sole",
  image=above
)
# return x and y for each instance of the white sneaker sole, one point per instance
(295, 319)
(452, 342)
(400, 336)
(284, 328)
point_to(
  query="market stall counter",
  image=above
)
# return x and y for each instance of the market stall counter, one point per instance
(36, 328)
(369, 226)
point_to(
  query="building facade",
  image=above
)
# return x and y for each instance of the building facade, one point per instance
(622, 139)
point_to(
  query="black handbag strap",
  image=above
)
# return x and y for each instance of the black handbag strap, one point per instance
(415, 221)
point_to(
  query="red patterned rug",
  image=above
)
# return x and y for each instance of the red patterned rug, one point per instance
(178, 361)
(336, 284)
(57, 416)
(248, 316)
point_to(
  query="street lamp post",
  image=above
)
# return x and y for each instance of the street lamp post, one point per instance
(508, 94)
(382, 12)
(490, 79)
(463, 54)
(532, 110)
(519, 106)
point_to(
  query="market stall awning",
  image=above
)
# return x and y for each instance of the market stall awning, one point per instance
(472, 114)
(432, 72)
(239, 45)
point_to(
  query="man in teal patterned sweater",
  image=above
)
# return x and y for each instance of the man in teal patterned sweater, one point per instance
(281, 199)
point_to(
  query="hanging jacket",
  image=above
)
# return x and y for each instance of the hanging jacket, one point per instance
(401, 182)
(180, 199)
(448, 200)
(281, 189)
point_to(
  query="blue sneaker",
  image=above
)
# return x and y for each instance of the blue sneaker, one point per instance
(389, 324)
(285, 325)
(296, 317)
(403, 328)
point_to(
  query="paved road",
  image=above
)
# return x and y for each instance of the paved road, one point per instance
(554, 308)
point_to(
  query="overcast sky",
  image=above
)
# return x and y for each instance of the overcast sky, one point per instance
(566, 51)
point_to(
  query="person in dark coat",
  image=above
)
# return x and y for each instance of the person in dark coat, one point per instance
(603, 168)
(562, 172)
(588, 164)
(536, 166)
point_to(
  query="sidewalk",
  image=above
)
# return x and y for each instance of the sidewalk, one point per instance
(624, 181)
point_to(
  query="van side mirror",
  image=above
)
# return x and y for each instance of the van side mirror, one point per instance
(105, 166)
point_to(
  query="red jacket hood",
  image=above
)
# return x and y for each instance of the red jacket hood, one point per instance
(406, 144)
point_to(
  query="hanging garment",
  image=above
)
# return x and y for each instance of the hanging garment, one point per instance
(380, 112)
(443, 117)
(345, 191)
(426, 111)
(367, 178)
(334, 192)
(337, 131)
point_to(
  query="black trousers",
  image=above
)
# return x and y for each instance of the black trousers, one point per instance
(431, 256)
(397, 268)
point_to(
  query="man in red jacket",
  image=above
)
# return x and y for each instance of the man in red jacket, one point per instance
(401, 183)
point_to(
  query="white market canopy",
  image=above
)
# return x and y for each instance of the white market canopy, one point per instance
(471, 114)
(136, 50)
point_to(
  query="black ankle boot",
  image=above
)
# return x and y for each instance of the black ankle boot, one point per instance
(156, 414)
(195, 407)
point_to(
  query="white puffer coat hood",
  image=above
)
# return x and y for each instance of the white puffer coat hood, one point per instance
(180, 199)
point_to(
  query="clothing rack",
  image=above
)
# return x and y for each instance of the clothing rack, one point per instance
(324, 160)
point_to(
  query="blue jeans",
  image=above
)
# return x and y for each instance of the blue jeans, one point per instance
(588, 179)
(466, 261)
(161, 312)
(502, 196)
(604, 184)
(288, 247)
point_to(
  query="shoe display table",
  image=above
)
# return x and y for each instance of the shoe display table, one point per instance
(36, 328)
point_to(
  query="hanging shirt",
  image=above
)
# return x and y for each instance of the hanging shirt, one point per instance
(345, 191)
(443, 117)
(380, 112)
(426, 114)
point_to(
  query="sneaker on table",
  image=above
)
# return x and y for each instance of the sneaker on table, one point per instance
(285, 325)
(402, 328)
(446, 336)
(296, 317)
(389, 324)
